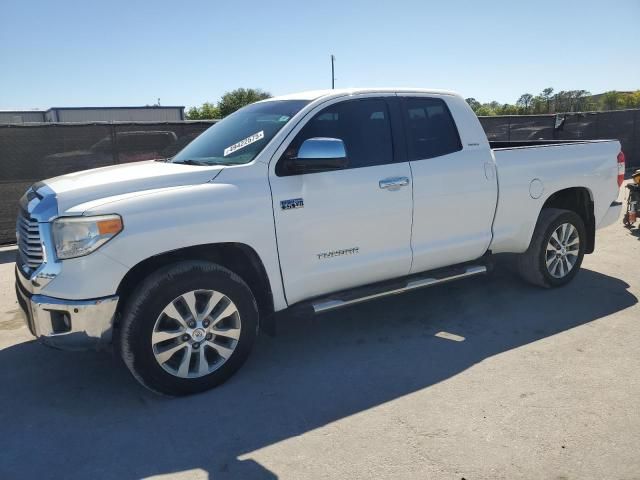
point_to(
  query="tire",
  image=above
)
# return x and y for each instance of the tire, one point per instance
(159, 364)
(532, 264)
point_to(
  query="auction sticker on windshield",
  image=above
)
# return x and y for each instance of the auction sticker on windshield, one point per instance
(243, 143)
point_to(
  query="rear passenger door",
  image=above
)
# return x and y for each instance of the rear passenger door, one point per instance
(454, 185)
(349, 227)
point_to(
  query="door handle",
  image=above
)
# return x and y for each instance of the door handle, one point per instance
(393, 183)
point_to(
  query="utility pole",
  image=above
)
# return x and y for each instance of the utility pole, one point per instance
(333, 76)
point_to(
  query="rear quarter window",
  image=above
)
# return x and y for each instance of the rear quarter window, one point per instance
(430, 128)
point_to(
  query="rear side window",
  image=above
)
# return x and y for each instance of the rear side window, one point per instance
(431, 131)
(363, 126)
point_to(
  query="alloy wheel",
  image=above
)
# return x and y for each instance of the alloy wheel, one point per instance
(196, 333)
(562, 251)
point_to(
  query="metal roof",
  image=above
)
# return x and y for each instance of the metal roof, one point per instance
(153, 107)
(315, 94)
(22, 111)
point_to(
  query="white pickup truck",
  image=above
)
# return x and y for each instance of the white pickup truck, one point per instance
(320, 200)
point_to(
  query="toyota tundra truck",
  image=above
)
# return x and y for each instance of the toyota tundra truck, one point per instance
(318, 201)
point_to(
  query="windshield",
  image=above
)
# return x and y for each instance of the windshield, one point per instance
(241, 136)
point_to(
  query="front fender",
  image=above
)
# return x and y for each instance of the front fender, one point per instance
(235, 208)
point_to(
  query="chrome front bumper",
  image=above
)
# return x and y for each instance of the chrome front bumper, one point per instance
(65, 324)
(68, 324)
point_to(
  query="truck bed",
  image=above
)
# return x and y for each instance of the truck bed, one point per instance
(507, 144)
(529, 173)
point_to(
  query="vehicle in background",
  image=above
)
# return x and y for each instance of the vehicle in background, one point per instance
(130, 147)
(633, 201)
(174, 148)
(317, 201)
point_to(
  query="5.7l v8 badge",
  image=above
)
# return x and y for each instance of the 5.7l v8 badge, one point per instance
(291, 204)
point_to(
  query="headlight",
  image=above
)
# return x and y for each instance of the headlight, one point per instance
(78, 236)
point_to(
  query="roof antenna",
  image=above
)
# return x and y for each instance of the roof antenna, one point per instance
(333, 76)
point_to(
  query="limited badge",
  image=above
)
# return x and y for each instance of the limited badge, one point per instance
(338, 253)
(291, 204)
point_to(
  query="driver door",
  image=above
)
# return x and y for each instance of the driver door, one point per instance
(349, 227)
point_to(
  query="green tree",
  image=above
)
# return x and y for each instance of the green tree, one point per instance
(562, 101)
(208, 111)
(539, 105)
(631, 99)
(559, 102)
(524, 102)
(580, 100)
(547, 97)
(238, 98)
(193, 113)
(473, 103)
(485, 111)
(611, 100)
(507, 109)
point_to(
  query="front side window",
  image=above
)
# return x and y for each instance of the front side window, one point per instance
(431, 131)
(363, 126)
(240, 137)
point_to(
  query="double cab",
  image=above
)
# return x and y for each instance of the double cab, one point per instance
(316, 200)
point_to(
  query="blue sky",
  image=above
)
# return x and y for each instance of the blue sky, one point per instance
(64, 53)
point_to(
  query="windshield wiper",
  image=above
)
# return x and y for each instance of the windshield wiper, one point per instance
(194, 162)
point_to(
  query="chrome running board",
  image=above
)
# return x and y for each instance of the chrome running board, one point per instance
(416, 282)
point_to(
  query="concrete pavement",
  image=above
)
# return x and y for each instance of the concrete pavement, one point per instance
(481, 379)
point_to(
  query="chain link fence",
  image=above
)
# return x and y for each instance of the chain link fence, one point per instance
(29, 153)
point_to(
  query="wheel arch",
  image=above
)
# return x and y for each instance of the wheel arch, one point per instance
(580, 201)
(237, 257)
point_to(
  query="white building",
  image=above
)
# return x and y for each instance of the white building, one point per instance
(94, 114)
(21, 116)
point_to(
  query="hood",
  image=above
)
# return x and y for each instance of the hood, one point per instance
(80, 187)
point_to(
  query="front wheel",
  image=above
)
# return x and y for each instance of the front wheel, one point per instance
(188, 327)
(556, 250)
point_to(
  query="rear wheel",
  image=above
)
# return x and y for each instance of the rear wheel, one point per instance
(556, 250)
(188, 327)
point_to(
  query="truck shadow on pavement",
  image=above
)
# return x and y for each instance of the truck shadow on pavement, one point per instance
(7, 255)
(80, 415)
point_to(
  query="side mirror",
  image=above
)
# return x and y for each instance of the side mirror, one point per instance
(319, 155)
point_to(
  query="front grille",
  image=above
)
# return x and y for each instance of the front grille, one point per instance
(29, 244)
